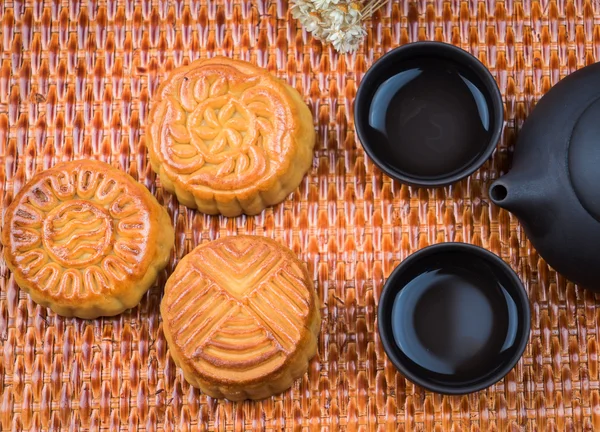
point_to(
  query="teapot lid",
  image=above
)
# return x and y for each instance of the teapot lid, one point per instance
(584, 159)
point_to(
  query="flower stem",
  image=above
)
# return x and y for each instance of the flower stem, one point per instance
(371, 7)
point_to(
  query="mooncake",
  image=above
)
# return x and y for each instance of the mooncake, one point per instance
(241, 317)
(85, 239)
(228, 137)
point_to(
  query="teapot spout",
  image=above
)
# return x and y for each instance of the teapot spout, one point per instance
(514, 194)
(527, 198)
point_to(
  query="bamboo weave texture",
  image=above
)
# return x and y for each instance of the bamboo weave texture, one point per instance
(76, 80)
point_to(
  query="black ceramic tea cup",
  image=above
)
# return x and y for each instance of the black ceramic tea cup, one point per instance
(428, 114)
(454, 318)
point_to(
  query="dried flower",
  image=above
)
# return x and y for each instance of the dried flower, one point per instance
(339, 22)
(324, 4)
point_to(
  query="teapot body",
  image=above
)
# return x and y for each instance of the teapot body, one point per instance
(553, 186)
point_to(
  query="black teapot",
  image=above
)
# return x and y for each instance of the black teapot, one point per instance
(553, 187)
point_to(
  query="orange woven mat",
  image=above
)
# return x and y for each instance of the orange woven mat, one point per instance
(76, 80)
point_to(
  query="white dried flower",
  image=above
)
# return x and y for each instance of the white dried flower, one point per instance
(348, 40)
(324, 4)
(353, 17)
(311, 22)
(339, 22)
(302, 8)
(336, 17)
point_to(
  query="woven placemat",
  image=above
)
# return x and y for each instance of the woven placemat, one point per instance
(76, 79)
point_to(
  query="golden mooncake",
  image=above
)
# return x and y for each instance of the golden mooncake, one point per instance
(241, 317)
(86, 239)
(228, 137)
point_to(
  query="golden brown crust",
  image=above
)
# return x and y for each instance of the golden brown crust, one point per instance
(241, 317)
(228, 137)
(86, 239)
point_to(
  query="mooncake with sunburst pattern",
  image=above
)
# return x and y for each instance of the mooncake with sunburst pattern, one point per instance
(228, 137)
(241, 317)
(85, 239)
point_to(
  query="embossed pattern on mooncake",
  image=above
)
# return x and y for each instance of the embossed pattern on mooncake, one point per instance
(85, 239)
(228, 137)
(241, 317)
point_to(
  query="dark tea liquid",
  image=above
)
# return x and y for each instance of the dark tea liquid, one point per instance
(430, 119)
(454, 322)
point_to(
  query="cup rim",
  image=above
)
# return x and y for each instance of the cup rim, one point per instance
(524, 318)
(482, 72)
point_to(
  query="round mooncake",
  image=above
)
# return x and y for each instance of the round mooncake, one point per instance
(228, 137)
(241, 317)
(86, 239)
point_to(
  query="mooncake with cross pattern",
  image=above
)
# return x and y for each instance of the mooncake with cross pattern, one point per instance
(228, 137)
(85, 239)
(241, 317)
